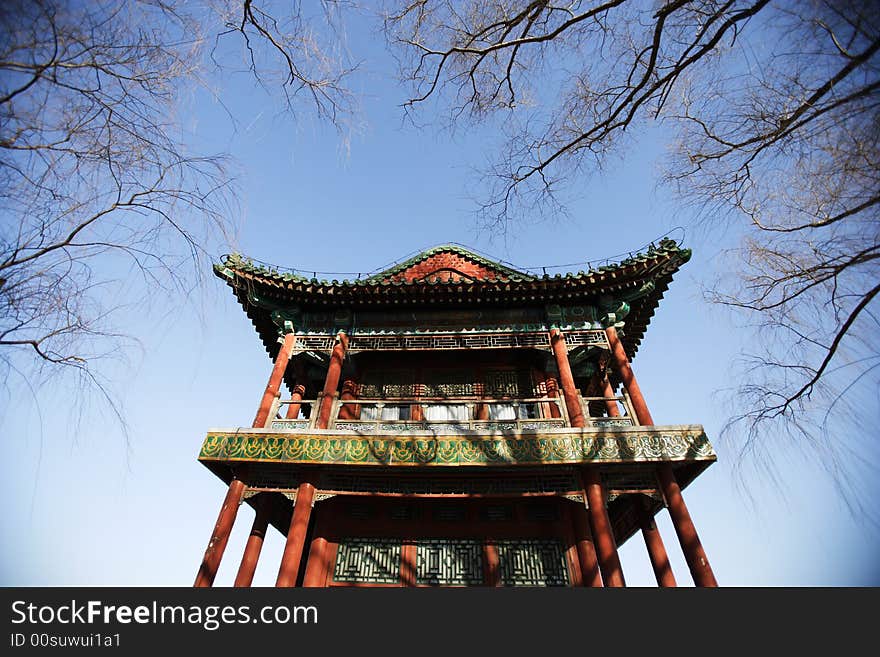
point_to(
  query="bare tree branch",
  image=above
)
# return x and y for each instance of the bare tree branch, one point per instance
(775, 109)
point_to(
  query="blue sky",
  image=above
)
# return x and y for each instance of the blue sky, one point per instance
(87, 505)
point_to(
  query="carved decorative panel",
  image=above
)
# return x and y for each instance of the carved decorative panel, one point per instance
(368, 560)
(449, 448)
(438, 341)
(532, 562)
(508, 383)
(442, 562)
(450, 383)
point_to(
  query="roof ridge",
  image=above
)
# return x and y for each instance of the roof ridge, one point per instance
(241, 262)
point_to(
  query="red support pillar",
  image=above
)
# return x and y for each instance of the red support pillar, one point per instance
(694, 554)
(254, 544)
(603, 535)
(654, 543)
(296, 536)
(566, 379)
(600, 523)
(621, 362)
(491, 564)
(317, 565)
(220, 536)
(408, 560)
(553, 391)
(334, 371)
(607, 392)
(296, 396)
(274, 385)
(217, 544)
(349, 411)
(585, 548)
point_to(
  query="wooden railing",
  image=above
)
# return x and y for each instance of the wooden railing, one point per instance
(407, 415)
(458, 415)
(627, 417)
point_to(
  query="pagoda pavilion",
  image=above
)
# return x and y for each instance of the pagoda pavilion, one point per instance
(454, 421)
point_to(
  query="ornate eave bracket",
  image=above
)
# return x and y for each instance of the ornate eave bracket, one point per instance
(614, 309)
(285, 320)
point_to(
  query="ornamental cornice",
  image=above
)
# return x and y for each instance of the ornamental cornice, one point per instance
(569, 446)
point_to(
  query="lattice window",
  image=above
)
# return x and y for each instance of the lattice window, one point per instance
(532, 562)
(442, 562)
(450, 383)
(447, 341)
(384, 384)
(507, 383)
(391, 384)
(434, 341)
(589, 337)
(313, 343)
(368, 561)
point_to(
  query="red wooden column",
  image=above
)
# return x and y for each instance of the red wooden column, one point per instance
(608, 391)
(621, 363)
(681, 519)
(491, 564)
(600, 523)
(296, 536)
(220, 536)
(585, 548)
(254, 544)
(334, 371)
(274, 385)
(552, 391)
(408, 560)
(226, 519)
(566, 379)
(694, 554)
(603, 534)
(318, 565)
(654, 543)
(349, 411)
(295, 396)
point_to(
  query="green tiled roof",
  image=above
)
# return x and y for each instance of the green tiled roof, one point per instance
(238, 264)
(510, 288)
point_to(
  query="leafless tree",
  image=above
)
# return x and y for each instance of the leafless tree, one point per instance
(284, 50)
(774, 108)
(101, 197)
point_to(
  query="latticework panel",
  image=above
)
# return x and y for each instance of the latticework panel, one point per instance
(508, 383)
(588, 337)
(367, 560)
(450, 383)
(438, 341)
(532, 562)
(442, 562)
(384, 384)
(446, 383)
(313, 343)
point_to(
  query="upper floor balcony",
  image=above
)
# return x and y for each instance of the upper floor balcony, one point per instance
(442, 415)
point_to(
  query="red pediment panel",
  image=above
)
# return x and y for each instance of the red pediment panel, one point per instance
(445, 266)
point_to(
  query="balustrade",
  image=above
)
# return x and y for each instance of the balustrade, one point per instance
(416, 414)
